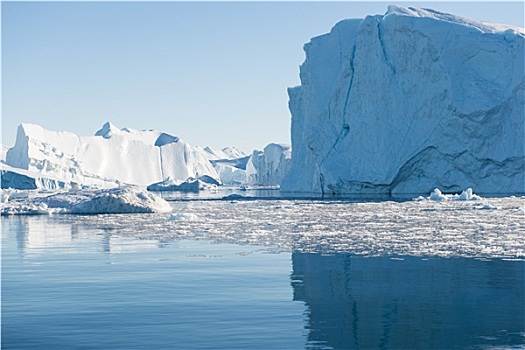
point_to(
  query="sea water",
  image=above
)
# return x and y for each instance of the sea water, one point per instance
(269, 274)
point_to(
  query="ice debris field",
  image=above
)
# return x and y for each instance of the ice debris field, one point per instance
(436, 225)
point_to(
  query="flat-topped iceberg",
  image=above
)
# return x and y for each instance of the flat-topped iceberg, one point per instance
(409, 101)
(113, 156)
(129, 199)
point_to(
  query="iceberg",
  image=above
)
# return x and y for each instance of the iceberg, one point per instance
(230, 174)
(229, 163)
(190, 185)
(113, 156)
(128, 199)
(268, 168)
(409, 101)
(261, 168)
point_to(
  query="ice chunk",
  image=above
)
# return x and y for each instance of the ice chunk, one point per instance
(129, 199)
(190, 185)
(121, 200)
(183, 217)
(437, 195)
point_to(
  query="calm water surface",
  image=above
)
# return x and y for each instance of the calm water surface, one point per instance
(70, 283)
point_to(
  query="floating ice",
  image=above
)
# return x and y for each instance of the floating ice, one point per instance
(183, 217)
(437, 195)
(127, 199)
(397, 229)
(190, 185)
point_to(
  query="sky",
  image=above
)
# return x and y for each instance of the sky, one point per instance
(213, 73)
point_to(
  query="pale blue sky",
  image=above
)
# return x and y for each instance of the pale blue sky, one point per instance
(213, 73)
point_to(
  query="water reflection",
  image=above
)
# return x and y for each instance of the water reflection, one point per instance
(380, 303)
(34, 235)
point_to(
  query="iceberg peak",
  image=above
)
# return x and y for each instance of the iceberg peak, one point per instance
(165, 139)
(107, 130)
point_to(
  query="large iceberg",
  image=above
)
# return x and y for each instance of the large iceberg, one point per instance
(409, 101)
(113, 156)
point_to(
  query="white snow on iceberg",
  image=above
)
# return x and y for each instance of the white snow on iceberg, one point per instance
(226, 153)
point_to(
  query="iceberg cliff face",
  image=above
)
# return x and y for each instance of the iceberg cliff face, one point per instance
(111, 157)
(407, 102)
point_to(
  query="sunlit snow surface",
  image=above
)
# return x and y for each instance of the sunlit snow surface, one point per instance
(484, 228)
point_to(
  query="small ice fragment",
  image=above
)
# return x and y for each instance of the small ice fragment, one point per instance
(183, 217)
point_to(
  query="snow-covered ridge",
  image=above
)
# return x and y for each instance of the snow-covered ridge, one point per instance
(226, 153)
(407, 102)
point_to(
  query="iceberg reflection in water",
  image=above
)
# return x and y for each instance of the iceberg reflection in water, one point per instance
(410, 303)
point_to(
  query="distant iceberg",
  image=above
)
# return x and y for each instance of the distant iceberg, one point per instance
(268, 168)
(409, 101)
(190, 185)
